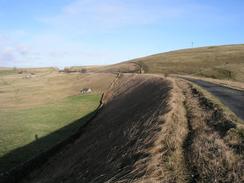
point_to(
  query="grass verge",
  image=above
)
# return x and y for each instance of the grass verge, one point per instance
(215, 101)
(214, 147)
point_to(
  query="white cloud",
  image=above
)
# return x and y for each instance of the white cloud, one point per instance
(7, 55)
(22, 49)
(50, 50)
(11, 51)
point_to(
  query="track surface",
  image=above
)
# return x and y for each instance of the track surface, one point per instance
(232, 98)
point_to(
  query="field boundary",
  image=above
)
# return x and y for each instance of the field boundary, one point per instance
(19, 172)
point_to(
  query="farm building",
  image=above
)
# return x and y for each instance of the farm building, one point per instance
(86, 90)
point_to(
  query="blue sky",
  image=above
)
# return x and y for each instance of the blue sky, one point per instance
(90, 32)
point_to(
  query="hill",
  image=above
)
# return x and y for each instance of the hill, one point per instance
(150, 129)
(219, 62)
(125, 67)
(113, 146)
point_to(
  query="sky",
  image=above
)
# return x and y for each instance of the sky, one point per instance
(39, 33)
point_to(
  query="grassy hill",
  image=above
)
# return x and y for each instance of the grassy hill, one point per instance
(218, 62)
(221, 62)
(128, 67)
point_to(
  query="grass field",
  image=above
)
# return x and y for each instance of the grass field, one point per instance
(21, 127)
(38, 111)
(17, 91)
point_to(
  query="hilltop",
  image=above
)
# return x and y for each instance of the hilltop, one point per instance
(217, 62)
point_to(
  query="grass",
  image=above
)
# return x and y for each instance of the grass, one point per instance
(214, 147)
(19, 92)
(115, 68)
(43, 106)
(227, 83)
(219, 62)
(228, 114)
(171, 139)
(20, 127)
(7, 72)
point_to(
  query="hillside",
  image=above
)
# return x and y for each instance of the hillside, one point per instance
(220, 62)
(118, 144)
(125, 67)
(169, 132)
(217, 62)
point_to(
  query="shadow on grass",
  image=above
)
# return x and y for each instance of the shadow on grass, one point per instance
(17, 163)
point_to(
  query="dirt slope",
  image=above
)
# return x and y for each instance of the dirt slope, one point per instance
(116, 145)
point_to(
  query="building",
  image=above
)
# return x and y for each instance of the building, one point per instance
(86, 90)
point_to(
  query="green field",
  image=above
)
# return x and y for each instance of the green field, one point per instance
(38, 111)
(20, 127)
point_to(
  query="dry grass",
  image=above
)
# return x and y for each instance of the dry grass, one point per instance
(214, 148)
(151, 129)
(167, 163)
(228, 83)
(226, 112)
(18, 92)
(217, 62)
(119, 145)
(115, 68)
(220, 62)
